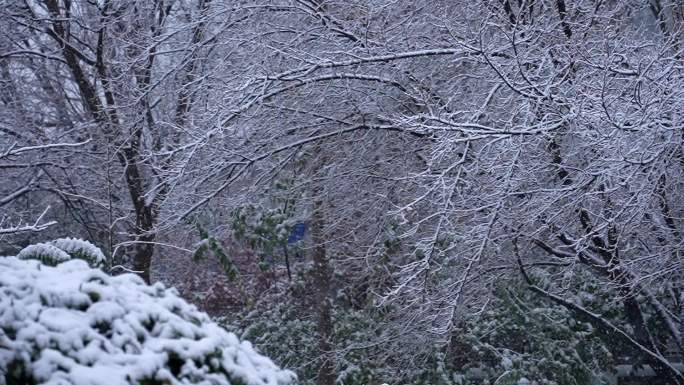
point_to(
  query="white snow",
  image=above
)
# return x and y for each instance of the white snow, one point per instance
(506, 362)
(44, 251)
(72, 324)
(75, 245)
(64, 249)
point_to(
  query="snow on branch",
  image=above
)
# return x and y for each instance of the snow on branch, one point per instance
(604, 324)
(14, 150)
(35, 227)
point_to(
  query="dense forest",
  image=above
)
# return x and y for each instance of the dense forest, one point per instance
(370, 191)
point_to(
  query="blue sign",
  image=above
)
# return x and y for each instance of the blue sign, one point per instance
(297, 233)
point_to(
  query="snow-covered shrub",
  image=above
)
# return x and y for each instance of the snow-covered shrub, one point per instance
(72, 324)
(81, 249)
(44, 252)
(282, 325)
(522, 338)
(63, 249)
(519, 339)
(288, 334)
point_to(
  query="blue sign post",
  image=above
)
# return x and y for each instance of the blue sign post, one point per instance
(298, 232)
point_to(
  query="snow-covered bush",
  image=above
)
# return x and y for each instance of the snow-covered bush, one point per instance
(72, 324)
(63, 249)
(44, 252)
(522, 338)
(281, 324)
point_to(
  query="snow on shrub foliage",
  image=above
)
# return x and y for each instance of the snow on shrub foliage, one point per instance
(72, 324)
(44, 252)
(64, 249)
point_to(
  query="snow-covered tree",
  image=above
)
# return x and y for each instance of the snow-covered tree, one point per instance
(433, 148)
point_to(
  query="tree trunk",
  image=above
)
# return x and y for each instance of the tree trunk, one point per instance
(144, 218)
(321, 286)
(143, 256)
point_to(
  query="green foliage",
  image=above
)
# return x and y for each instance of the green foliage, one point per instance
(391, 243)
(264, 230)
(17, 374)
(291, 340)
(283, 327)
(522, 336)
(209, 245)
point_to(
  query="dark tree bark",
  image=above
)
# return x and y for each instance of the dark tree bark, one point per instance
(322, 287)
